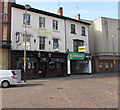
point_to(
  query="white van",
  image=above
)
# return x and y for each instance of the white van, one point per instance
(7, 77)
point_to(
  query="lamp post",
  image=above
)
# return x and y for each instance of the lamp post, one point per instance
(25, 35)
(114, 52)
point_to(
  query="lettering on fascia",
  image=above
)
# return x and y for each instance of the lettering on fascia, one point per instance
(42, 31)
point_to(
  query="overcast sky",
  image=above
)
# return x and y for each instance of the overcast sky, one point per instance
(88, 10)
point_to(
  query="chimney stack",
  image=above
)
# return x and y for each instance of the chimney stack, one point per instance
(60, 11)
(77, 17)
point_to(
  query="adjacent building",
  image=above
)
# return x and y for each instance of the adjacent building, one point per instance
(103, 36)
(79, 58)
(5, 32)
(54, 43)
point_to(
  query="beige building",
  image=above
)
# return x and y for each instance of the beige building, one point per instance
(103, 35)
(5, 16)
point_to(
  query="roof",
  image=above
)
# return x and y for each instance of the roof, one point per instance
(47, 13)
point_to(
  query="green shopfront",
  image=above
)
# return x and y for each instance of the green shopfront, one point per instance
(78, 63)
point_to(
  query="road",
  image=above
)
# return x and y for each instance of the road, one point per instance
(99, 90)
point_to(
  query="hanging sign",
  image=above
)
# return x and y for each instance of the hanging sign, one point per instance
(81, 49)
(76, 56)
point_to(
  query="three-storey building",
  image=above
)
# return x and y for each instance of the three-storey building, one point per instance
(50, 39)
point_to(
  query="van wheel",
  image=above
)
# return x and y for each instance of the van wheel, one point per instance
(5, 84)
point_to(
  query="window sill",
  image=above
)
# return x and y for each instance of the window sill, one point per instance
(73, 33)
(42, 28)
(56, 31)
(28, 26)
(83, 35)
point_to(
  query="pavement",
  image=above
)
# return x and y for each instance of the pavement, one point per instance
(98, 90)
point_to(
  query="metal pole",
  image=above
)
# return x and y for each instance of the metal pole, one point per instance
(114, 53)
(25, 46)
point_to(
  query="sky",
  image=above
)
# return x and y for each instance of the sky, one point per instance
(87, 10)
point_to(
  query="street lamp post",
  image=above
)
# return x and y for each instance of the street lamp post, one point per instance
(114, 53)
(25, 35)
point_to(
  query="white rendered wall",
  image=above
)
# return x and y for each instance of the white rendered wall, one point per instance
(35, 31)
(71, 37)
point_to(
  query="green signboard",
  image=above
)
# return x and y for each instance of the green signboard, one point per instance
(76, 56)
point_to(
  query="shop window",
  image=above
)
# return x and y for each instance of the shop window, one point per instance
(29, 65)
(58, 65)
(101, 66)
(33, 65)
(76, 44)
(51, 65)
(83, 31)
(106, 66)
(73, 28)
(111, 65)
(42, 43)
(55, 25)
(55, 65)
(26, 19)
(41, 22)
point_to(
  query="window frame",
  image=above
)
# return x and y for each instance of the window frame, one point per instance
(28, 22)
(42, 43)
(42, 23)
(75, 46)
(55, 24)
(83, 31)
(55, 39)
(73, 29)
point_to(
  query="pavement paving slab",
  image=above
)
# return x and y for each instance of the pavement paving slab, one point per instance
(99, 90)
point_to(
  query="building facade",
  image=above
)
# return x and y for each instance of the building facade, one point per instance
(5, 32)
(45, 43)
(104, 39)
(50, 40)
(79, 60)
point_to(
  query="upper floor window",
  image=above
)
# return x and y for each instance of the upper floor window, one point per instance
(26, 19)
(83, 31)
(73, 28)
(55, 25)
(42, 43)
(26, 38)
(42, 22)
(55, 44)
(76, 44)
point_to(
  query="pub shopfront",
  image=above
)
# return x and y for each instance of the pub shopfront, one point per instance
(40, 64)
(78, 63)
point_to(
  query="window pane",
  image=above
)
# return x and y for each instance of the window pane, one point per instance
(72, 28)
(42, 43)
(55, 25)
(41, 22)
(76, 44)
(55, 44)
(26, 19)
(83, 31)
